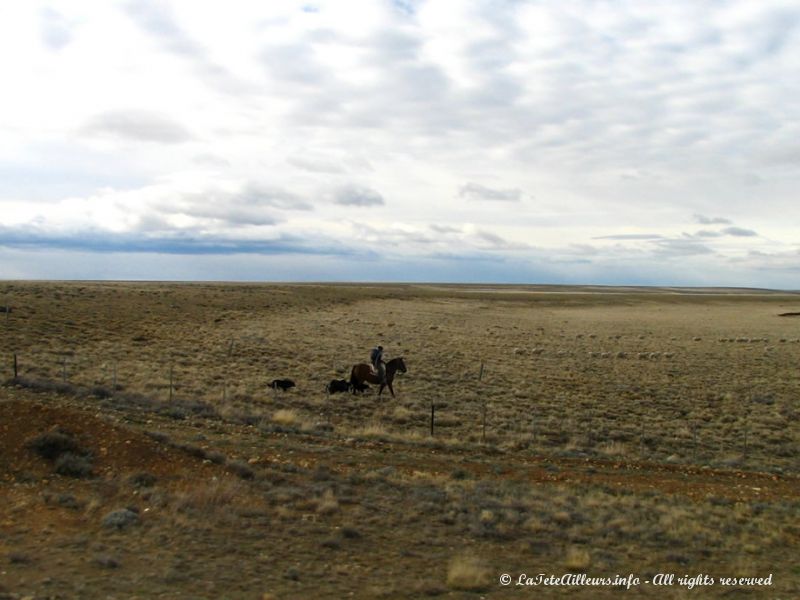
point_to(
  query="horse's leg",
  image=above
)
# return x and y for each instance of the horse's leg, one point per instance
(380, 390)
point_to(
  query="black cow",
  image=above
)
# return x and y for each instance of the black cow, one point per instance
(281, 384)
(337, 385)
(359, 388)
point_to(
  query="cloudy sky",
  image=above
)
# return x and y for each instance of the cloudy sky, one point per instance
(590, 141)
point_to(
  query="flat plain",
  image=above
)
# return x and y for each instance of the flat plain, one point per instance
(538, 429)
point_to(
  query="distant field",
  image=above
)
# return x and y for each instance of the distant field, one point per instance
(585, 429)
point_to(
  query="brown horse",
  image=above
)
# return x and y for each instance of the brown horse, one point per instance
(363, 372)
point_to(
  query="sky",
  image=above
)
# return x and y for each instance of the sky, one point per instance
(583, 141)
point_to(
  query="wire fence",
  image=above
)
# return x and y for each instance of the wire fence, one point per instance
(740, 442)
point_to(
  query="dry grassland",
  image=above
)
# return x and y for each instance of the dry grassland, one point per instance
(590, 430)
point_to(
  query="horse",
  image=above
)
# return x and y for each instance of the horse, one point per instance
(363, 372)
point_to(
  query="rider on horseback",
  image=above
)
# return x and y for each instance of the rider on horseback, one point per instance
(376, 360)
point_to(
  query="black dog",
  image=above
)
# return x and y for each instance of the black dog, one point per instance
(281, 384)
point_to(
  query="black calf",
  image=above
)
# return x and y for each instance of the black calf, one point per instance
(281, 384)
(359, 388)
(337, 385)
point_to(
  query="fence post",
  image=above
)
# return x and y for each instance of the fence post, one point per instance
(746, 425)
(483, 438)
(15, 365)
(433, 413)
(483, 435)
(745, 440)
(641, 437)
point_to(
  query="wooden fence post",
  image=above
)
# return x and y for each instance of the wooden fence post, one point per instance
(641, 437)
(483, 435)
(483, 438)
(746, 426)
(745, 440)
(15, 365)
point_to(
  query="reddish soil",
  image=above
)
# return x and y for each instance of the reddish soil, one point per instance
(114, 449)
(691, 481)
(123, 451)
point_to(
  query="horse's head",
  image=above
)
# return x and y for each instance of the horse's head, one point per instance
(401, 365)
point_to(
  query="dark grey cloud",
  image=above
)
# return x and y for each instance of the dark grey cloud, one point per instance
(705, 233)
(469, 258)
(56, 29)
(492, 241)
(732, 231)
(475, 191)
(137, 125)
(355, 195)
(704, 220)
(187, 242)
(491, 238)
(739, 232)
(444, 229)
(676, 247)
(264, 194)
(237, 215)
(255, 204)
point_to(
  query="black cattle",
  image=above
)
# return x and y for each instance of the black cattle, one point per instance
(359, 388)
(281, 384)
(337, 385)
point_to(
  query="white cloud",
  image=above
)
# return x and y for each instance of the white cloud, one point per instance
(279, 119)
(138, 125)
